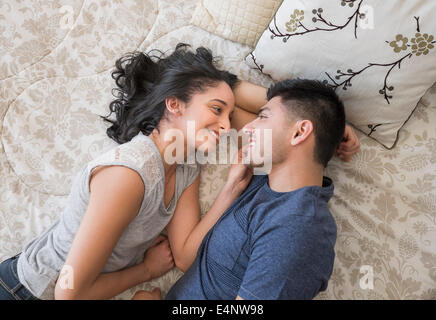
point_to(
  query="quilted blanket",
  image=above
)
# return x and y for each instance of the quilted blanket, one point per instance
(55, 64)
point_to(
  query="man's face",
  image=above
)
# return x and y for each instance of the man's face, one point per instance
(271, 130)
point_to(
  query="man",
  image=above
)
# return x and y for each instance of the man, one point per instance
(276, 241)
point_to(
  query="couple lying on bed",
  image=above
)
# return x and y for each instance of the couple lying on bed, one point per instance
(266, 236)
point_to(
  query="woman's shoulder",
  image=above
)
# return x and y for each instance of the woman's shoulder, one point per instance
(190, 172)
(140, 154)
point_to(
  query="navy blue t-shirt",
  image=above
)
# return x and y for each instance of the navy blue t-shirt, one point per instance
(266, 245)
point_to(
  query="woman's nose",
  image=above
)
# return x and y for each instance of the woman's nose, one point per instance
(225, 125)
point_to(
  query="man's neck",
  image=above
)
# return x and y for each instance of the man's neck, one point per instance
(293, 174)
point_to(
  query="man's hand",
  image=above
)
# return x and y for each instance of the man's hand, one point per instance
(349, 146)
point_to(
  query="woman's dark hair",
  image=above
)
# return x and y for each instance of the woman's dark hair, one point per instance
(314, 101)
(144, 81)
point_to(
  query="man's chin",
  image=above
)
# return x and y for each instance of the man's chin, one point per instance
(253, 164)
(252, 161)
(259, 166)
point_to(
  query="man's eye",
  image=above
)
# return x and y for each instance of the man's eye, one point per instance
(261, 116)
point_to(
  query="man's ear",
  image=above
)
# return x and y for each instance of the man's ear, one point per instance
(174, 106)
(301, 131)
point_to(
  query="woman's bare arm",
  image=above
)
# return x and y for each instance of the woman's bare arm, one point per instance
(186, 229)
(112, 206)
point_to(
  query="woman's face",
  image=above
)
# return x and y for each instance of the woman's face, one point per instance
(209, 112)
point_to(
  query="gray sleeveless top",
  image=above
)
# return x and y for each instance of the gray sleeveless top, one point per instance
(41, 260)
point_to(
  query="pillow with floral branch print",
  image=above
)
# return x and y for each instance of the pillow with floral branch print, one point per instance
(379, 56)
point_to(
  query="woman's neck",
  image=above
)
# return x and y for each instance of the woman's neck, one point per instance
(158, 139)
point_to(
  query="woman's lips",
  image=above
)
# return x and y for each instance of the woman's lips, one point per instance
(215, 134)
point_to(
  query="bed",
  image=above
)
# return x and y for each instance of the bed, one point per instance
(55, 63)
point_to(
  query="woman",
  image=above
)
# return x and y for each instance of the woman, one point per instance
(121, 201)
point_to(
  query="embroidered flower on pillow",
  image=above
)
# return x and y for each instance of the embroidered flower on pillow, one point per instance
(422, 43)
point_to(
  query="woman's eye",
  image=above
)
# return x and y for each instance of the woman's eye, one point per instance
(261, 116)
(217, 109)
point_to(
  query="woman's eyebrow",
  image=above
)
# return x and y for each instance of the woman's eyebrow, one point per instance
(219, 100)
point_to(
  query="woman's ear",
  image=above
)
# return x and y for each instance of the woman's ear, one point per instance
(174, 106)
(301, 131)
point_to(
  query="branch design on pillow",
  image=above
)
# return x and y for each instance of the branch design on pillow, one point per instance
(350, 74)
(373, 127)
(260, 67)
(297, 17)
(421, 45)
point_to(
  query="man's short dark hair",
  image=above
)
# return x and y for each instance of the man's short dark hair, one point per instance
(313, 100)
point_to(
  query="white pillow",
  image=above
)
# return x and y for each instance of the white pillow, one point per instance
(241, 21)
(379, 55)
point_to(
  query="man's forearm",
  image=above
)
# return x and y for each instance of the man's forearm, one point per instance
(249, 96)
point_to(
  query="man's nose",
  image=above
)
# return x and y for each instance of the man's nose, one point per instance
(247, 129)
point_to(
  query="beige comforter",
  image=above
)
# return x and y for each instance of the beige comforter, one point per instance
(55, 63)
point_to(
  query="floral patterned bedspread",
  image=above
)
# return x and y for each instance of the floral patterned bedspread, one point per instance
(55, 63)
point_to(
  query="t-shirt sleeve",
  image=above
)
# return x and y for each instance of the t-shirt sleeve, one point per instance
(136, 157)
(190, 173)
(279, 266)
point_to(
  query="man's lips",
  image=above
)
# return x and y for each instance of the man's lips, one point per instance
(251, 143)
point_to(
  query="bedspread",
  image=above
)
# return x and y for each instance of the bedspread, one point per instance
(55, 64)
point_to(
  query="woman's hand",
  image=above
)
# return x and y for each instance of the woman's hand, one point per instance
(158, 258)
(147, 295)
(240, 174)
(349, 146)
